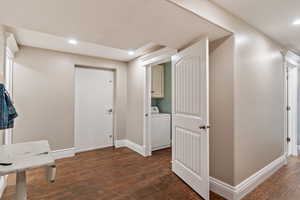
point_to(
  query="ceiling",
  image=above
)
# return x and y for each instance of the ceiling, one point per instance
(273, 17)
(57, 43)
(118, 24)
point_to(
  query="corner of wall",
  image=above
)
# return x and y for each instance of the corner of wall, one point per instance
(135, 102)
(222, 110)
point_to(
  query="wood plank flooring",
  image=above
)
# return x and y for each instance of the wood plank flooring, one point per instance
(282, 185)
(121, 174)
(110, 174)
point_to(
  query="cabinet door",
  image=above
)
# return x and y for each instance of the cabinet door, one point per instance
(157, 86)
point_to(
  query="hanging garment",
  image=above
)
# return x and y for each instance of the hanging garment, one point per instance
(7, 110)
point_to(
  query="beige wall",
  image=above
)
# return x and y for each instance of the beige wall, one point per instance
(259, 105)
(44, 95)
(258, 91)
(221, 116)
(135, 102)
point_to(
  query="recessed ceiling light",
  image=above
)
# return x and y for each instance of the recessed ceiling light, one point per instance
(296, 22)
(73, 41)
(131, 53)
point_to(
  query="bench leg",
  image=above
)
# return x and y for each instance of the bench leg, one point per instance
(51, 173)
(21, 186)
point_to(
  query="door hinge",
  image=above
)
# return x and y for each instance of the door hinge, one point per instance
(288, 108)
(288, 139)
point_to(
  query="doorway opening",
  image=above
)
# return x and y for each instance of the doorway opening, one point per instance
(292, 62)
(161, 105)
(94, 108)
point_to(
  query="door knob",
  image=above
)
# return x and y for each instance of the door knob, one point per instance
(110, 110)
(205, 127)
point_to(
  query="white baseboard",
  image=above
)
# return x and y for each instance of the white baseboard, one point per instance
(79, 150)
(63, 153)
(131, 145)
(120, 143)
(161, 147)
(238, 192)
(223, 189)
(3, 183)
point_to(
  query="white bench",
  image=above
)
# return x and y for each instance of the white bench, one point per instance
(17, 158)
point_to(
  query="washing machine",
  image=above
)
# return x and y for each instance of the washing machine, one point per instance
(160, 129)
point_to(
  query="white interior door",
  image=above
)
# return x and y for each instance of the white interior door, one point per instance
(190, 140)
(292, 112)
(94, 94)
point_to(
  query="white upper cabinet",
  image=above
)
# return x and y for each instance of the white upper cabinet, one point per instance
(157, 81)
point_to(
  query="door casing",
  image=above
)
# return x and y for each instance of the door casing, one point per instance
(158, 57)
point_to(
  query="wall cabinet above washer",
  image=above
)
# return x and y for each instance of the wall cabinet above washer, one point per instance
(157, 81)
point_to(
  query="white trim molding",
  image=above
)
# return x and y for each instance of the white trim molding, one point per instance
(156, 56)
(11, 43)
(80, 150)
(292, 58)
(241, 190)
(223, 189)
(63, 153)
(298, 147)
(120, 143)
(131, 145)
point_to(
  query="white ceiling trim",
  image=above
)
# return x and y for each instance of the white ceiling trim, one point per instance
(156, 56)
(11, 43)
(292, 58)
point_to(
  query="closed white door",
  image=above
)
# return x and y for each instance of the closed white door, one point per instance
(190, 140)
(94, 94)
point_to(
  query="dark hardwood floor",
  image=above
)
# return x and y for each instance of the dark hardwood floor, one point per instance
(110, 174)
(282, 185)
(121, 174)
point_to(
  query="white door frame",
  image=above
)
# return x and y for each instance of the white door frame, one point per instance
(11, 48)
(114, 99)
(148, 101)
(291, 62)
(147, 61)
(292, 109)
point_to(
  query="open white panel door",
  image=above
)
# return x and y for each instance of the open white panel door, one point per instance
(190, 139)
